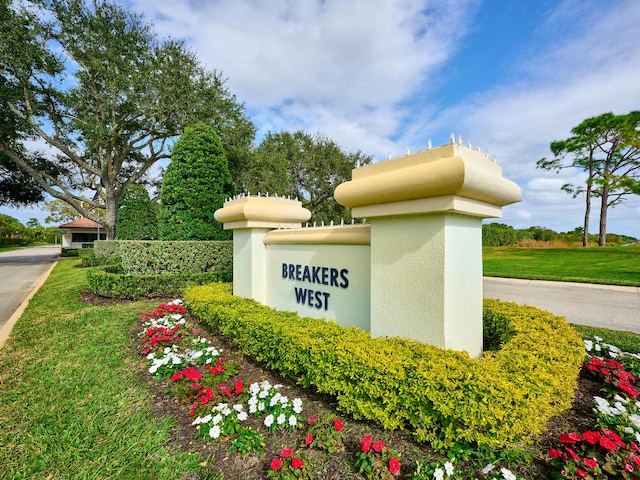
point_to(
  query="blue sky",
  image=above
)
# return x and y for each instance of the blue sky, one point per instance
(382, 76)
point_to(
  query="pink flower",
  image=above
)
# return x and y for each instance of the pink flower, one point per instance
(628, 467)
(276, 463)
(394, 465)
(308, 440)
(297, 463)
(286, 452)
(337, 424)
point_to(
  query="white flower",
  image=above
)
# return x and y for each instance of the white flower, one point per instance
(488, 468)
(242, 416)
(438, 474)
(253, 409)
(261, 406)
(226, 411)
(507, 475)
(635, 419)
(237, 407)
(638, 437)
(448, 467)
(254, 388)
(268, 420)
(217, 419)
(597, 348)
(215, 431)
(588, 345)
(281, 419)
(598, 338)
(275, 399)
(293, 420)
(166, 350)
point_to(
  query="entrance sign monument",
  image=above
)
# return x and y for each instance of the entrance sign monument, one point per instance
(415, 271)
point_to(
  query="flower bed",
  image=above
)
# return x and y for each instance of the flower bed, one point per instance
(221, 405)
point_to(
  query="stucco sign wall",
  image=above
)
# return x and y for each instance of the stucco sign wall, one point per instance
(415, 271)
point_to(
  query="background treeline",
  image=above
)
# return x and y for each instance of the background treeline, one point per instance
(499, 235)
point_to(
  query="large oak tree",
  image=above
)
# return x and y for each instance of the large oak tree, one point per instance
(93, 84)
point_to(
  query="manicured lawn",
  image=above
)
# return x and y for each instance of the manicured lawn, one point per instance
(71, 403)
(605, 265)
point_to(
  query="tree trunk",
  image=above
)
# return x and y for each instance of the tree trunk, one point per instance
(110, 220)
(602, 236)
(585, 230)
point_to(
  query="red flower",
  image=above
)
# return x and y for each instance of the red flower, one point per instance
(596, 361)
(308, 440)
(554, 453)
(238, 387)
(634, 446)
(365, 444)
(337, 424)
(176, 376)
(313, 420)
(636, 460)
(570, 438)
(297, 463)
(591, 437)
(608, 444)
(276, 463)
(581, 473)
(591, 462)
(625, 387)
(572, 453)
(203, 399)
(286, 452)
(394, 465)
(613, 436)
(378, 446)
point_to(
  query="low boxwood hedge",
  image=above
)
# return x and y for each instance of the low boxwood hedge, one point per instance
(440, 396)
(111, 281)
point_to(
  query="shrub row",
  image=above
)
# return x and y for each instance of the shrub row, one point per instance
(110, 281)
(158, 257)
(439, 396)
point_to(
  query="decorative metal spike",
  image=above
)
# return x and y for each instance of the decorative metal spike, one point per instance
(453, 137)
(331, 223)
(479, 149)
(341, 222)
(353, 221)
(469, 144)
(314, 224)
(429, 145)
(408, 152)
(460, 140)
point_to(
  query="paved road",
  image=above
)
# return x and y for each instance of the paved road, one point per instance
(20, 272)
(605, 306)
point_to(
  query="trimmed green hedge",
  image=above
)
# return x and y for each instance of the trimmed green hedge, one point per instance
(110, 281)
(439, 396)
(159, 257)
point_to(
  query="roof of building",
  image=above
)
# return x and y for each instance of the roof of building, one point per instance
(81, 223)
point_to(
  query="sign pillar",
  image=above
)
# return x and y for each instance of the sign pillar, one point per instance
(251, 218)
(426, 213)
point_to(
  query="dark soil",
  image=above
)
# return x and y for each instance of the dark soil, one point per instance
(216, 459)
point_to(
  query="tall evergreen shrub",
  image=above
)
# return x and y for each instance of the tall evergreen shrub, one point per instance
(195, 185)
(137, 217)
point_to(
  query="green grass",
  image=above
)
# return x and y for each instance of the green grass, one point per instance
(605, 265)
(71, 404)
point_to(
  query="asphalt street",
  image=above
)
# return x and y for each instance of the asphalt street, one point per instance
(605, 306)
(20, 272)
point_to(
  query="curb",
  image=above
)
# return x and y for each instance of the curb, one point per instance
(7, 327)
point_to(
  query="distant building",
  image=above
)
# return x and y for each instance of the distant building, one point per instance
(79, 232)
